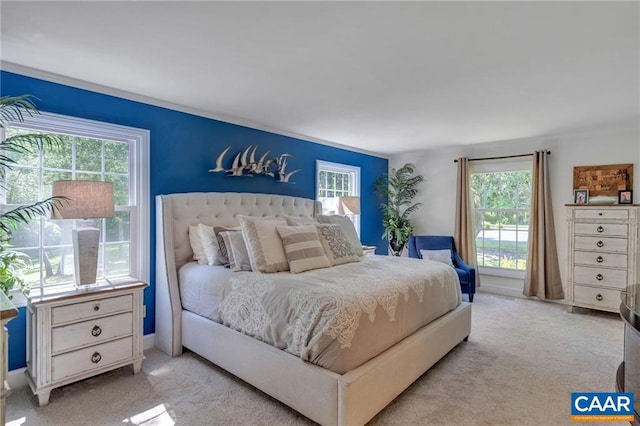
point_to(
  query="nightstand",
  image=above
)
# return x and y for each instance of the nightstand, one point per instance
(75, 333)
(369, 250)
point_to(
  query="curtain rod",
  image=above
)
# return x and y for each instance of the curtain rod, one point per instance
(501, 158)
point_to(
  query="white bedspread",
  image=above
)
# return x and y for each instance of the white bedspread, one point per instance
(336, 317)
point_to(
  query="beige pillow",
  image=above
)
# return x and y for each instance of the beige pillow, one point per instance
(303, 248)
(442, 256)
(264, 244)
(348, 228)
(236, 250)
(336, 245)
(209, 244)
(300, 220)
(196, 245)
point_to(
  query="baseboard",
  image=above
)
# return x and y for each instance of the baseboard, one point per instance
(17, 379)
(501, 291)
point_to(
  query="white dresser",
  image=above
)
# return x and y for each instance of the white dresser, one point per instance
(7, 312)
(74, 333)
(603, 254)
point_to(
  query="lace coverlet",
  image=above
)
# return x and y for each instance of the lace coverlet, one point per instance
(340, 317)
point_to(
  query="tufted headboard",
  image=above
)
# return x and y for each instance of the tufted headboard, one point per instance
(174, 214)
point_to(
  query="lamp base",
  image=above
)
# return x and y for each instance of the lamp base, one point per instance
(85, 255)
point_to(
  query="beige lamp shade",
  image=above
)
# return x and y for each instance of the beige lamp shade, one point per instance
(84, 199)
(349, 205)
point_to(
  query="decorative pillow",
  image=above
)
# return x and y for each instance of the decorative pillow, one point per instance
(264, 244)
(336, 245)
(223, 250)
(196, 245)
(347, 227)
(303, 248)
(236, 250)
(443, 256)
(209, 244)
(300, 220)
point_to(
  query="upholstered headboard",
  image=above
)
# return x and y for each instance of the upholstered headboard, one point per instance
(174, 214)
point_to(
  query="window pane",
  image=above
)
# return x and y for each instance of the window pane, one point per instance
(118, 227)
(117, 259)
(22, 186)
(116, 157)
(48, 177)
(88, 154)
(120, 189)
(59, 157)
(30, 156)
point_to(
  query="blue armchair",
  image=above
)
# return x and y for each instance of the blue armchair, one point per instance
(466, 273)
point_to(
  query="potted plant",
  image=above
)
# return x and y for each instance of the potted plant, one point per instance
(13, 110)
(397, 189)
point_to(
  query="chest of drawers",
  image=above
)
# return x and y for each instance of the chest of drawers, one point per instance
(603, 254)
(78, 333)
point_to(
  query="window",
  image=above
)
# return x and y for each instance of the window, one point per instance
(501, 196)
(88, 151)
(335, 181)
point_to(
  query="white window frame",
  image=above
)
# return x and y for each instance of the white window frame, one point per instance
(328, 166)
(138, 140)
(496, 167)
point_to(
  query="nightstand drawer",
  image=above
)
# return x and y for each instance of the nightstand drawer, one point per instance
(604, 229)
(599, 298)
(589, 258)
(610, 213)
(601, 244)
(601, 277)
(91, 358)
(94, 308)
(91, 332)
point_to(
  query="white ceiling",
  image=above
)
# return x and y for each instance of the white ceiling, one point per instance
(385, 77)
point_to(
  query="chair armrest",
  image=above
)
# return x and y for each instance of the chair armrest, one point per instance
(459, 263)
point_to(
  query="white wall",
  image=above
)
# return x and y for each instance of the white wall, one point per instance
(611, 145)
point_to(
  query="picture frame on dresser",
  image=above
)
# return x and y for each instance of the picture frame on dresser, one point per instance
(625, 197)
(581, 196)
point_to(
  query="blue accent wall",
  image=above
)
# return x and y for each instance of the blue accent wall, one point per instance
(183, 148)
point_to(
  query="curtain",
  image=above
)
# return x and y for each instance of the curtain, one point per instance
(543, 271)
(464, 233)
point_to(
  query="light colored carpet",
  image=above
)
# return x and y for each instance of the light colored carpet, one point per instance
(522, 361)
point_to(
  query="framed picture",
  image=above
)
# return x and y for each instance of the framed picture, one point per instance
(625, 197)
(581, 196)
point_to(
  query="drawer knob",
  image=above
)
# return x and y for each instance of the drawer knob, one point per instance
(599, 259)
(599, 277)
(600, 243)
(96, 331)
(600, 229)
(599, 213)
(96, 357)
(599, 297)
(96, 308)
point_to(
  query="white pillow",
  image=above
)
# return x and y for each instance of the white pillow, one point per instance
(209, 244)
(196, 245)
(443, 256)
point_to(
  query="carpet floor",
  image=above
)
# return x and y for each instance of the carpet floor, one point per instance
(519, 367)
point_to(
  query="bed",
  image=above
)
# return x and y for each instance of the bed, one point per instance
(341, 390)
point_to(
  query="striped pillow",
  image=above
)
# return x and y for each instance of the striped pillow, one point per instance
(302, 248)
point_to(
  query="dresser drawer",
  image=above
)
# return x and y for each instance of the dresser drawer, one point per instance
(613, 213)
(91, 358)
(94, 308)
(589, 258)
(599, 298)
(600, 276)
(91, 332)
(601, 244)
(604, 229)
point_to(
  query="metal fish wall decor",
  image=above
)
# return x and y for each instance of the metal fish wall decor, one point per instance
(245, 164)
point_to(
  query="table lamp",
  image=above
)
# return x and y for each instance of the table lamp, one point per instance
(349, 205)
(84, 199)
